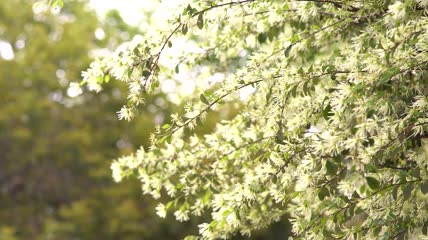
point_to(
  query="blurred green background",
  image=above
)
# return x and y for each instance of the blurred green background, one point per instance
(55, 151)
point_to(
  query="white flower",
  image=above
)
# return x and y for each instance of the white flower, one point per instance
(74, 90)
(398, 10)
(161, 210)
(125, 113)
(181, 215)
(423, 3)
(117, 171)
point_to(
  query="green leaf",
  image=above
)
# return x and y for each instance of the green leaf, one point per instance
(370, 168)
(187, 131)
(262, 37)
(169, 204)
(198, 121)
(425, 229)
(395, 192)
(295, 38)
(204, 99)
(191, 237)
(350, 212)
(107, 78)
(177, 69)
(326, 112)
(129, 72)
(331, 168)
(146, 73)
(168, 139)
(169, 44)
(188, 10)
(200, 21)
(279, 137)
(373, 183)
(323, 192)
(287, 50)
(424, 187)
(370, 113)
(162, 140)
(184, 29)
(388, 75)
(407, 191)
(305, 88)
(58, 3)
(293, 91)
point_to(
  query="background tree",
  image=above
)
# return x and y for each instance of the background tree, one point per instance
(54, 164)
(332, 133)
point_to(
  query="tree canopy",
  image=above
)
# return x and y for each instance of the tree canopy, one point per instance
(332, 132)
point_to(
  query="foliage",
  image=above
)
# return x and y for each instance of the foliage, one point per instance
(54, 171)
(333, 133)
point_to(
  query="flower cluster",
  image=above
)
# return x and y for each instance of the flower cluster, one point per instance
(332, 135)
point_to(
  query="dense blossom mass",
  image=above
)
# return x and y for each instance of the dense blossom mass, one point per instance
(332, 134)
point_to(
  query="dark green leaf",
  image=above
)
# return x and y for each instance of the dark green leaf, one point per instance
(200, 21)
(326, 112)
(270, 35)
(146, 73)
(287, 50)
(187, 131)
(262, 37)
(424, 187)
(279, 137)
(395, 192)
(370, 113)
(350, 211)
(305, 88)
(331, 168)
(198, 121)
(373, 183)
(184, 29)
(407, 191)
(425, 229)
(293, 91)
(377, 230)
(204, 99)
(188, 10)
(315, 80)
(388, 75)
(323, 192)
